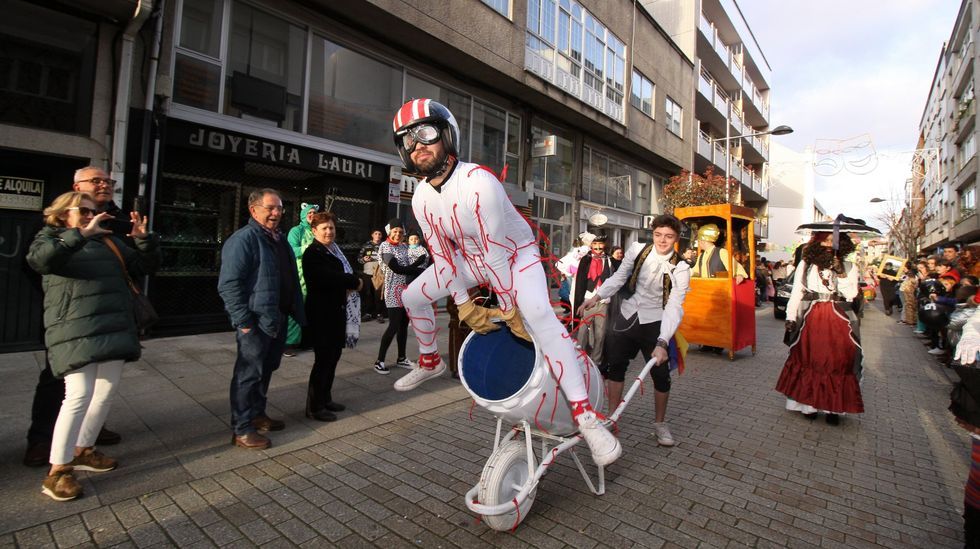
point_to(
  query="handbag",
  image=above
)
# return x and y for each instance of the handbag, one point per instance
(143, 311)
(378, 278)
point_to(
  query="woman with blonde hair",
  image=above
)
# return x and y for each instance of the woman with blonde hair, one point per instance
(89, 327)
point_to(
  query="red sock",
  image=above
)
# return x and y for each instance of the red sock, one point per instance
(429, 361)
(579, 407)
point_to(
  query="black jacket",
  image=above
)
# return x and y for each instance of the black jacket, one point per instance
(582, 278)
(326, 294)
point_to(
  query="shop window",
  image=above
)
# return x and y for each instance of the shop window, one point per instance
(196, 82)
(553, 173)
(352, 97)
(266, 64)
(496, 139)
(47, 64)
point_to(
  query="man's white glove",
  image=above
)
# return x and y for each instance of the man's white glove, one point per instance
(967, 349)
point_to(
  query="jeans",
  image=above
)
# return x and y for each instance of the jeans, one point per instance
(259, 354)
(88, 396)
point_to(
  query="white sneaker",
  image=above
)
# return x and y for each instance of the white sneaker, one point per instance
(605, 447)
(918, 332)
(418, 376)
(936, 351)
(406, 363)
(664, 437)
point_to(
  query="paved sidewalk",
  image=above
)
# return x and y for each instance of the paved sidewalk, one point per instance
(394, 470)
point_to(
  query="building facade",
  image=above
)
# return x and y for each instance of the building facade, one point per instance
(588, 106)
(944, 174)
(732, 94)
(791, 201)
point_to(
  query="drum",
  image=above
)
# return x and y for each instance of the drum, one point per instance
(509, 377)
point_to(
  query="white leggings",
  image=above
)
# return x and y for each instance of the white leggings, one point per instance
(88, 396)
(529, 290)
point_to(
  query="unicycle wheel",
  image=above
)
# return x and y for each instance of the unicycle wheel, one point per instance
(504, 475)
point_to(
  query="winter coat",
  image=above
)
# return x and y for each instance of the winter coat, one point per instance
(88, 305)
(326, 297)
(249, 280)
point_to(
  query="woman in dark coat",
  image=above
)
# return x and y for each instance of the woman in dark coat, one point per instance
(89, 327)
(333, 312)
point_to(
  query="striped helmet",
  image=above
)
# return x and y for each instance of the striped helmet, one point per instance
(420, 111)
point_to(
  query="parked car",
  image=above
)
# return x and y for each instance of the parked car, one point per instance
(784, 288)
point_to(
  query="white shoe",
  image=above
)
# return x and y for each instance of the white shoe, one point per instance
(418, 376)
(406, 363)
(936, 351)
(664, 437)
(918, 332)
(605, 447)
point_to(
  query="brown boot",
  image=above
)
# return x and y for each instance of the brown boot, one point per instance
(266, 423)
(251, 441)
(61, 486)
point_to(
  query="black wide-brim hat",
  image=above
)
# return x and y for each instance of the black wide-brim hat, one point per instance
(842, 225)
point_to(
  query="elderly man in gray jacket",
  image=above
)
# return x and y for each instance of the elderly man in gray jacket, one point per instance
(259, 284)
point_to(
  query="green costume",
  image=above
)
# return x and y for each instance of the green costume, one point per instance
(299, 238)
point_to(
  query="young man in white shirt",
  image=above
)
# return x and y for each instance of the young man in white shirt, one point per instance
(654, 280)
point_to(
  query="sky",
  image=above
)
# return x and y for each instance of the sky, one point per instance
(852, 75)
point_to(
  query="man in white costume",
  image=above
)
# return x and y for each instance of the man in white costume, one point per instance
(477, 237)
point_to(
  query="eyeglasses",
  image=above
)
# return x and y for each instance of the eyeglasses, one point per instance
(83, 210)
(426, 134)
(99, 181)
(275, 208)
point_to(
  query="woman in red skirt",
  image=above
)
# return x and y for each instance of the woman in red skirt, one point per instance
(823, 370)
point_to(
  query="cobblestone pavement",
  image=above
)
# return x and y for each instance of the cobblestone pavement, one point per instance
(394, 470)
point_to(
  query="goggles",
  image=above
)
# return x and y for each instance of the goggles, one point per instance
(426, 134)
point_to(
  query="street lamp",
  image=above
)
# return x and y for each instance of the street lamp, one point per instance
(778, 130)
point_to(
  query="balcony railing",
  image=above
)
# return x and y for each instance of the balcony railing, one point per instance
(704, 145)
(706, 86)
(721, 102)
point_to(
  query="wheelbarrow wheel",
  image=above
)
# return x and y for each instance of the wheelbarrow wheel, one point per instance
(504, 475)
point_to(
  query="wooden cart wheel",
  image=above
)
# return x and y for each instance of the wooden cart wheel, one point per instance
(731, 356)
(504, 475)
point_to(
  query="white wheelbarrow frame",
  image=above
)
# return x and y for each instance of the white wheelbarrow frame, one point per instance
(498, 478)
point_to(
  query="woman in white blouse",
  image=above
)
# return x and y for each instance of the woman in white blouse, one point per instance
(823, 370)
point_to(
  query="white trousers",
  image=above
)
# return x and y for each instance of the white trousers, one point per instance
(530, 293)
(88, 396)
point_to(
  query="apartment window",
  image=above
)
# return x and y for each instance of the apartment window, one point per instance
(641, 94)
(967, 150)
(47, 65)
(674, 114)
(352, 96)
(569, 36)
(500, 6)
(200, 27)
(968, 202)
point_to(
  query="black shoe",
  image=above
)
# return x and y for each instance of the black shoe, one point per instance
(833, 419)
(334, 407)
(381, 320)
(289, 353)
(811, 417)
(322, 415)
(37, 454)
(108, 438)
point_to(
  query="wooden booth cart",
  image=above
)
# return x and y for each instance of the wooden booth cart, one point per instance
(717, 311)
